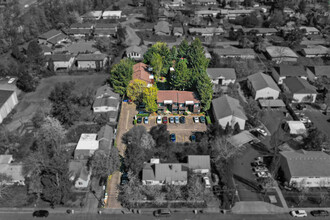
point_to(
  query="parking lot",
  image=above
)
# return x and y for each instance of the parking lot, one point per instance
(182, 131)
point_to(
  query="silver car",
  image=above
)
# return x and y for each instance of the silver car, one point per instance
(176, 119)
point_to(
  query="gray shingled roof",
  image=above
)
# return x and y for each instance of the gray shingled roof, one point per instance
(320, 70)
(226, 106)
(227, 73)
(106, 91)
(4, 96)
(298, 85)
(288, 70)
(164, 172)
(199, 162)
(105, 102)
(307, 163)
(260, 81)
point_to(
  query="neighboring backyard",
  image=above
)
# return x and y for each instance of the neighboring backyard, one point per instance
(29, 103)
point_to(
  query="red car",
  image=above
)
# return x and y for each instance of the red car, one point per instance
(165, 120)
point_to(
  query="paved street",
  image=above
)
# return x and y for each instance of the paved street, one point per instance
(175, 216)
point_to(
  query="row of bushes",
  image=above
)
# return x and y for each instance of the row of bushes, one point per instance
(143, 115)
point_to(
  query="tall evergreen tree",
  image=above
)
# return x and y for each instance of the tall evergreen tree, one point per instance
(181, 77)
(121, 75)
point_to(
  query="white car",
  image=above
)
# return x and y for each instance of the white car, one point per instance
(207, 182)
(196, 119)
(260, 169)
(299, 213)
(263, 174)
(159, 119)
(146, 120)
(11, 80)
(261, 131)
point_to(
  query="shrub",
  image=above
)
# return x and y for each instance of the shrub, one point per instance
(185, 113)
(135, 121)
(208, 120)
(143, 115)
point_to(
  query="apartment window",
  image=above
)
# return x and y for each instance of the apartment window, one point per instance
(181, 104)
(196, 104)
(160, 104)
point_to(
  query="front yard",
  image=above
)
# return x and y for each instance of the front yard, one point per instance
(314, 198)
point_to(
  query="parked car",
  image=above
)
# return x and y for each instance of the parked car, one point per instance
(257, 163)
(317, 213)
(196, 120)
(299, 213)
(124, 179)
(263, 174)
(11, 80)
(259, 169)
(202, 119)
(193, 138)
(176, 119)
(173, 137)
(206, 180)
(40, 213)
(146, 120)
(139, 120)
(171, 119)
(162, 213)
(165, 120)
(262, 131)
(182, 120)
(159, 119)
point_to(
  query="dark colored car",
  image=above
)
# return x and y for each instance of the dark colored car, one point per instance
(162, 213)
(173, 137)
(202, 119)
(165, 120)
(182, 120)
(40, 213)
(301, 107)
(139, 120)
(193, 138)
(317, 213)
(124, 179)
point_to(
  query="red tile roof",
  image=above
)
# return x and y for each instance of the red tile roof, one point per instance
(140, 72)
(176, 96)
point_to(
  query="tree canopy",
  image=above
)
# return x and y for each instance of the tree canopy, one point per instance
(121, 75)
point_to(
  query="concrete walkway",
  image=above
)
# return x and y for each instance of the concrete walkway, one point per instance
(256, 207)
(280, 195)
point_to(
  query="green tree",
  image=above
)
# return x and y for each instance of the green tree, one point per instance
(302, 6)
(276, 19)
(251, 20)
(152, 10)
(314, 141)
(205, 90)
(135, 90)
(26, 82)
(157, 64)
(150, 98)
(35, 55)
(183, 49)
(4, 188)
(130, 192)
(121, 75)
(253, 112)
(181, 78)
(196, 56)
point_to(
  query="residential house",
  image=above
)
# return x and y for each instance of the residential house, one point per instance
(228, 110)
(112, 14)
(300, 90)
(82, 26)
(178, 31)
(140, 71)
(232, 14)
(288, 11)
(165, 15)
(11, 169)
(106, 100)
(172, 3)
(207, 13)
(8, 101)
(92, 16)
(81, 47)
(203, 2)
(242, 138)
(52, 37)
(208, 31)
(280, 54)
(79, 173)
(46, 50)
(295, 127)
(207, 53)
(306, 168)
(316, 51)
(91, 61)
(261, 31)
(105, 138)
(156, 173)
(245, 53)
(282, 72)
(178, 101)
(105, 29)
(86, 146)
(271, 103)
(306, 42)
(136, 52)
(222, 76)
(316, 72)
(199, 163)
(60, 61)
(77, 33)
(262, 86)
(310, 30)
(162, 28)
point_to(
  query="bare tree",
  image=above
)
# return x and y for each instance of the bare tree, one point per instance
(302, 196)
(4, 188)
